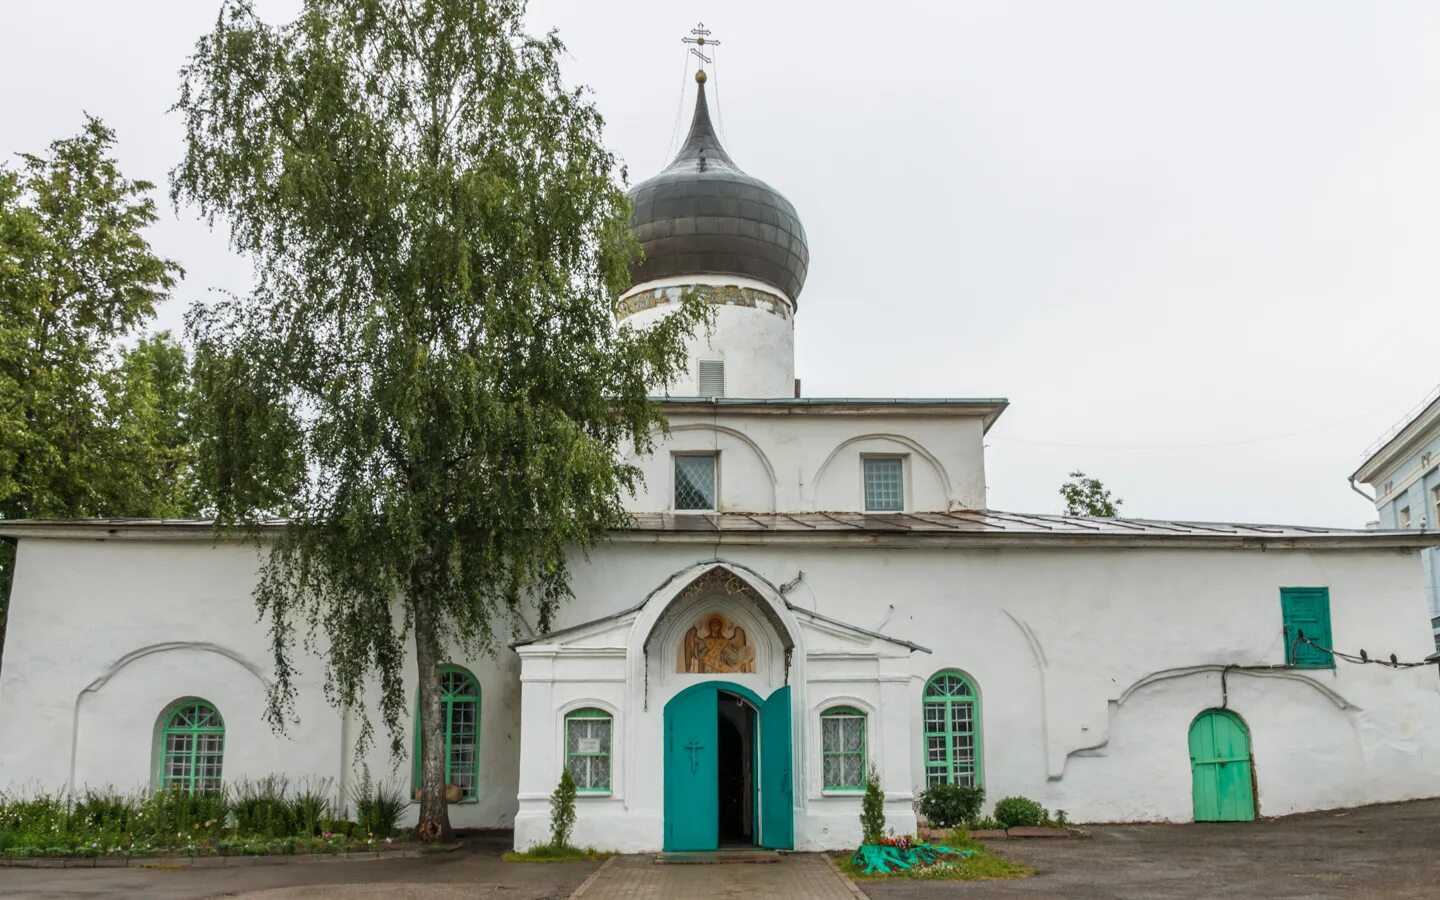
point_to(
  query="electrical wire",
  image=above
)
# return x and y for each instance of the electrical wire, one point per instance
(679, 106)
(1364, 658)
(719, 110)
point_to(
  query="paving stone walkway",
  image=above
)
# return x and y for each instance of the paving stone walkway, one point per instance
(799, 876)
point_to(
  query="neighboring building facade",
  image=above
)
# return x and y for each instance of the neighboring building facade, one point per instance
(810, 588)
(1403, 470)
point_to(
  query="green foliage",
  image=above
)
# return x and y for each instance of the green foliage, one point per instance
(378, 806)
(1020, 812)
(261, 807)
(548, 853)
(79, 419)
(259, 817)
(1085, 496)
(87, 428)
(872, 808)
(562, 811)
(428, 378)
(948, 805)
(310, 807)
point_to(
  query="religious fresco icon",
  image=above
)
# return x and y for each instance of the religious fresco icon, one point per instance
(716, 645)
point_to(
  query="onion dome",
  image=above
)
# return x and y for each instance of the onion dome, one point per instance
(703, 216)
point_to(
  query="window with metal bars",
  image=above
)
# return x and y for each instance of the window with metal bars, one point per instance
(587, 750)
(695, 482)
(884, 483)
(712, 377)
(192, 745)
(952, 730)
(460, 713)
(842, 743)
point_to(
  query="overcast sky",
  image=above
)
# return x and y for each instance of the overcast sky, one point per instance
(1195, 244)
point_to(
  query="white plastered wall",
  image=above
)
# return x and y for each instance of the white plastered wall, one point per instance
(757, 344)
(629, 664)
(1090, 662)
(801, 463)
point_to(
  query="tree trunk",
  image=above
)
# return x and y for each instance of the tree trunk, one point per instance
(433, 807)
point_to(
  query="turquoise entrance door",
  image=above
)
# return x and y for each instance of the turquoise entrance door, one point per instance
(692, 799)
(1220, 768)
(777, 823)
(692, 767)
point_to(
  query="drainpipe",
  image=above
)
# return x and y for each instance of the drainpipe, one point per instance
(1357, 490)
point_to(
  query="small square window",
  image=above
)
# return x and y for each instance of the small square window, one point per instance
(695, 482)
(884, 484)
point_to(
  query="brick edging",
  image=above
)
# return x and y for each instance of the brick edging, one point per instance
(585, 885)
(849, 883)
(214, 862)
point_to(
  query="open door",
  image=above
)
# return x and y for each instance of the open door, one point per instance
(777, 823)
(692, 805)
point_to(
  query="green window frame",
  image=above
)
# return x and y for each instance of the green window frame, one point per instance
(951, 715)
(1306, 611)
(460, 710)
(842, 749)
(589, 735)
(192, 748)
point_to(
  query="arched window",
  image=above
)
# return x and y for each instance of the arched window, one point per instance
(842, 744)
(587, 749)
(952, 730)
(192, 748)
(460, 713)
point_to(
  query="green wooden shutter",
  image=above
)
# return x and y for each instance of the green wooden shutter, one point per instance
(1306, 611)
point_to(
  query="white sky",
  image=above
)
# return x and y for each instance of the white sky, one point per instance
(1195, 244)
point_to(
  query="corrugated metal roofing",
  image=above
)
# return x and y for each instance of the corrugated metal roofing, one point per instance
(969, 526)
(980, 522)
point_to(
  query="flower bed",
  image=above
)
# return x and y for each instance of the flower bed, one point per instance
(902, 856)
(247, 819)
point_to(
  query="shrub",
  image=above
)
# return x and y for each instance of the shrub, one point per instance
(1020, 812)
(104, 811)
(562, 811)
(378, 807)
(950, 805)
(261, 807)
(175, 810)
(310, 807)
(872, 808)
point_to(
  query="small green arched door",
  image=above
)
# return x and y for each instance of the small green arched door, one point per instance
(1220, 768)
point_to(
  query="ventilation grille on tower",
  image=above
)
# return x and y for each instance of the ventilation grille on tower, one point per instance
(712, 377)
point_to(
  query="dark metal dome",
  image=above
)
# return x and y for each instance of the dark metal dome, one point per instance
(702, 215)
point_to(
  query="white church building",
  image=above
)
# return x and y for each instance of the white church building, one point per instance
(810, 587)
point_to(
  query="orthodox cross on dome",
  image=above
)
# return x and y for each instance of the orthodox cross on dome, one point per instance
(700, 37)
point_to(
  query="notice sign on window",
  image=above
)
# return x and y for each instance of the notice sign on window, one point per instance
(588, 745)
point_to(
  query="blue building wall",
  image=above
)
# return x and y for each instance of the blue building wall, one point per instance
(1419, 496)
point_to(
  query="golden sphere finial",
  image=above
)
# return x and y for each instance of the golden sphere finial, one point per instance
(699, 76)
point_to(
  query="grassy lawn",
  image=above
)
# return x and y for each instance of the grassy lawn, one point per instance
(548, 854)
(982, 866)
